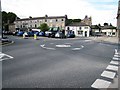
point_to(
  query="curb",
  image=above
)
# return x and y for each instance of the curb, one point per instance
(9, 43)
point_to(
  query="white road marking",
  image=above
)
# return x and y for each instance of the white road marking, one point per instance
(51, 43)
(76, 48)
(63, 45)
(116, 52)
(43, 46)
(111, 67)
(114, 62)
(108, 74)
(116, 58)
(99, 83)
(2, 55)
(116, 55)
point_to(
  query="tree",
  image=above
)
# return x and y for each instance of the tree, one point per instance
(8, 18)
(44, 27)
(11, 17)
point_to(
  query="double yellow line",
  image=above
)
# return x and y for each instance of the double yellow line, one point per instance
(8, 43)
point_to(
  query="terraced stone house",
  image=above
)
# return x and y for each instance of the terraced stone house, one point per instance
(51, 21)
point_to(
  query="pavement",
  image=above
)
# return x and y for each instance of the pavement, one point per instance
(105, 39)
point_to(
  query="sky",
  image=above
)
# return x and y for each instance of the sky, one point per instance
(101, 11)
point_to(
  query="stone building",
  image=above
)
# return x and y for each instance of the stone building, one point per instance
(87, 20)
(51, 21)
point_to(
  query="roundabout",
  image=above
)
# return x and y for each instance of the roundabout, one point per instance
(66, 46)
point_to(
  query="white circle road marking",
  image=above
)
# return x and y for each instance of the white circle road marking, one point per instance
(63, 45)
(43, 46)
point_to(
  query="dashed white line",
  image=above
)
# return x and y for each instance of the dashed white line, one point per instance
(111, 67)
(99, 83)
(114, 62)
(76, 48)
(108, 74)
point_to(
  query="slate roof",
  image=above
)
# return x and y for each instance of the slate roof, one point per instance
(108, 27)
(51, 17)
(95, 27)
(78, 24)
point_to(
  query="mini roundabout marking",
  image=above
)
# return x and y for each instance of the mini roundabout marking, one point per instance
(64, 46)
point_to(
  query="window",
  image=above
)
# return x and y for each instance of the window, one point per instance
(62, 20)
(35, 25)
(68, 28)
(80, 28)
(113, 33)
(86, 27)
(56, 20)
(30, 25)
(21, 26)
(80, 32)
(45, 20)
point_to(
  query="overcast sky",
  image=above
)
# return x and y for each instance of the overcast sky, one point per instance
(100, 10)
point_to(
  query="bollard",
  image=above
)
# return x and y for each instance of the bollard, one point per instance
(35, 36)
(24, 36)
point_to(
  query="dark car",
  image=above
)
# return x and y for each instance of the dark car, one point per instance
(41, 34)
(20, 33)
(70, 34)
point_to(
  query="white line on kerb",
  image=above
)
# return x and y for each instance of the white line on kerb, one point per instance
(116, 58)
(99, 83)
(108, 74)
(111, 67)
(116, 55)
(114, 62)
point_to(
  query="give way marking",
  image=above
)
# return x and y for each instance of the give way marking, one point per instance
(4, 56)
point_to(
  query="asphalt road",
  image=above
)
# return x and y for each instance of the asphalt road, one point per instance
(55, 63)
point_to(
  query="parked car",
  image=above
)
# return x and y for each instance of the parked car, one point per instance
(41, 33)
(60, 35)
(70, 34)
(20, 33)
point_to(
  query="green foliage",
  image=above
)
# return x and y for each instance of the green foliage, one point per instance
(69, 21)
(8, 17)
(44, 27)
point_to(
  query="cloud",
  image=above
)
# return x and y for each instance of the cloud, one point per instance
(73, 8)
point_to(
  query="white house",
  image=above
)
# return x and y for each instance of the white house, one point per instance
(80, 29)
(109, 30)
